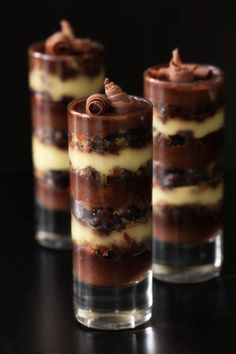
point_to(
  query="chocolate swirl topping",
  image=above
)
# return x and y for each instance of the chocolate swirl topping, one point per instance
(67, 30)
(58, 44)
(97, 104)
(120, 101)
(114, 100)
(178, 72)
(65, 42)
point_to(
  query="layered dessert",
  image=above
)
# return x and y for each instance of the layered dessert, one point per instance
(188, 119)
(110, 150)
(61, 68)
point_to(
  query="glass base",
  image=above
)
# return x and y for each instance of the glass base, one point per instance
(53, 241)
(113, 308)
(187, 263)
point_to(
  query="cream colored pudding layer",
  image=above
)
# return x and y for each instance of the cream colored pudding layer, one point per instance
(79, 86)
(48, 157)
(199, 194)
(130, 159)
(199, 129)
(84, 234)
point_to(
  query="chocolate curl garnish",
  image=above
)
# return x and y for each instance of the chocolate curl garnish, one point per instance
(66, 29)
(78, 44)
(65, 42)
(97, 104)
(119, 99)
(179, 72)
(58, 44)
(115, 93)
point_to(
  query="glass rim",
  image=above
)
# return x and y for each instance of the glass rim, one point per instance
(217, 79)
(73, 111)
(34, 51)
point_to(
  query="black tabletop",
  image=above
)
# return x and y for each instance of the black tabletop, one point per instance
(36, 314)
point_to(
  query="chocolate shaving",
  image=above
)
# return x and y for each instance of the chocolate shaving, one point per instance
(65, 42)
(58, 44)
(179, 72)
(114, 92)
(97, 104)
(120, 101)
(66, 29)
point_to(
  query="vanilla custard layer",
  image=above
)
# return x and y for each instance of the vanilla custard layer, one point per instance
(130, 159)
(86, 235)
(198, 194)
(199, 129)
(48, 157)
(79, 86)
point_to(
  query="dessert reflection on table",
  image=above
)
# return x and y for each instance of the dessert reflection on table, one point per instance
(141, 340)
(53, 316)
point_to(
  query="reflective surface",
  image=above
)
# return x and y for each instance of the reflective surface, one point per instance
(36, 296)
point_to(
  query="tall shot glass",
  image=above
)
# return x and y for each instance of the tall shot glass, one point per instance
(111, 176)
(188, 119)
(55, 79)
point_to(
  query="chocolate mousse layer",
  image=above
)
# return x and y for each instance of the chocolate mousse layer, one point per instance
(187, 224)
(115, 266)
(119, 190)
(52, 137)
(110, 152)
(114, 123)
(113, 142)
(178, 150)
(107, 220)
(47, 114)
(169, 176)
(87, 62)
(52, 190)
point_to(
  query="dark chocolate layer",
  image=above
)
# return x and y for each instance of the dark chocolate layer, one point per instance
(119, 190)
(52, 137)
(186, 224)
(48, 114)
(113, 142)
(111, 267)
(89, 63)
(169, 176)
(107, 220)
(52, 191)
(193, 100)
(166, 112)
(112, 123)
(185, 151)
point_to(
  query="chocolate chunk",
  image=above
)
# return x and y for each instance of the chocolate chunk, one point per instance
(107, 220)
(97, 104)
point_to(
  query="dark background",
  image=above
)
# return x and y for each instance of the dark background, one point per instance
(136, 34)
(36, 315)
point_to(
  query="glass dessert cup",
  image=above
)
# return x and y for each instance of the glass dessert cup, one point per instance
(54, 81)
(111, 175)
(187, 178)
